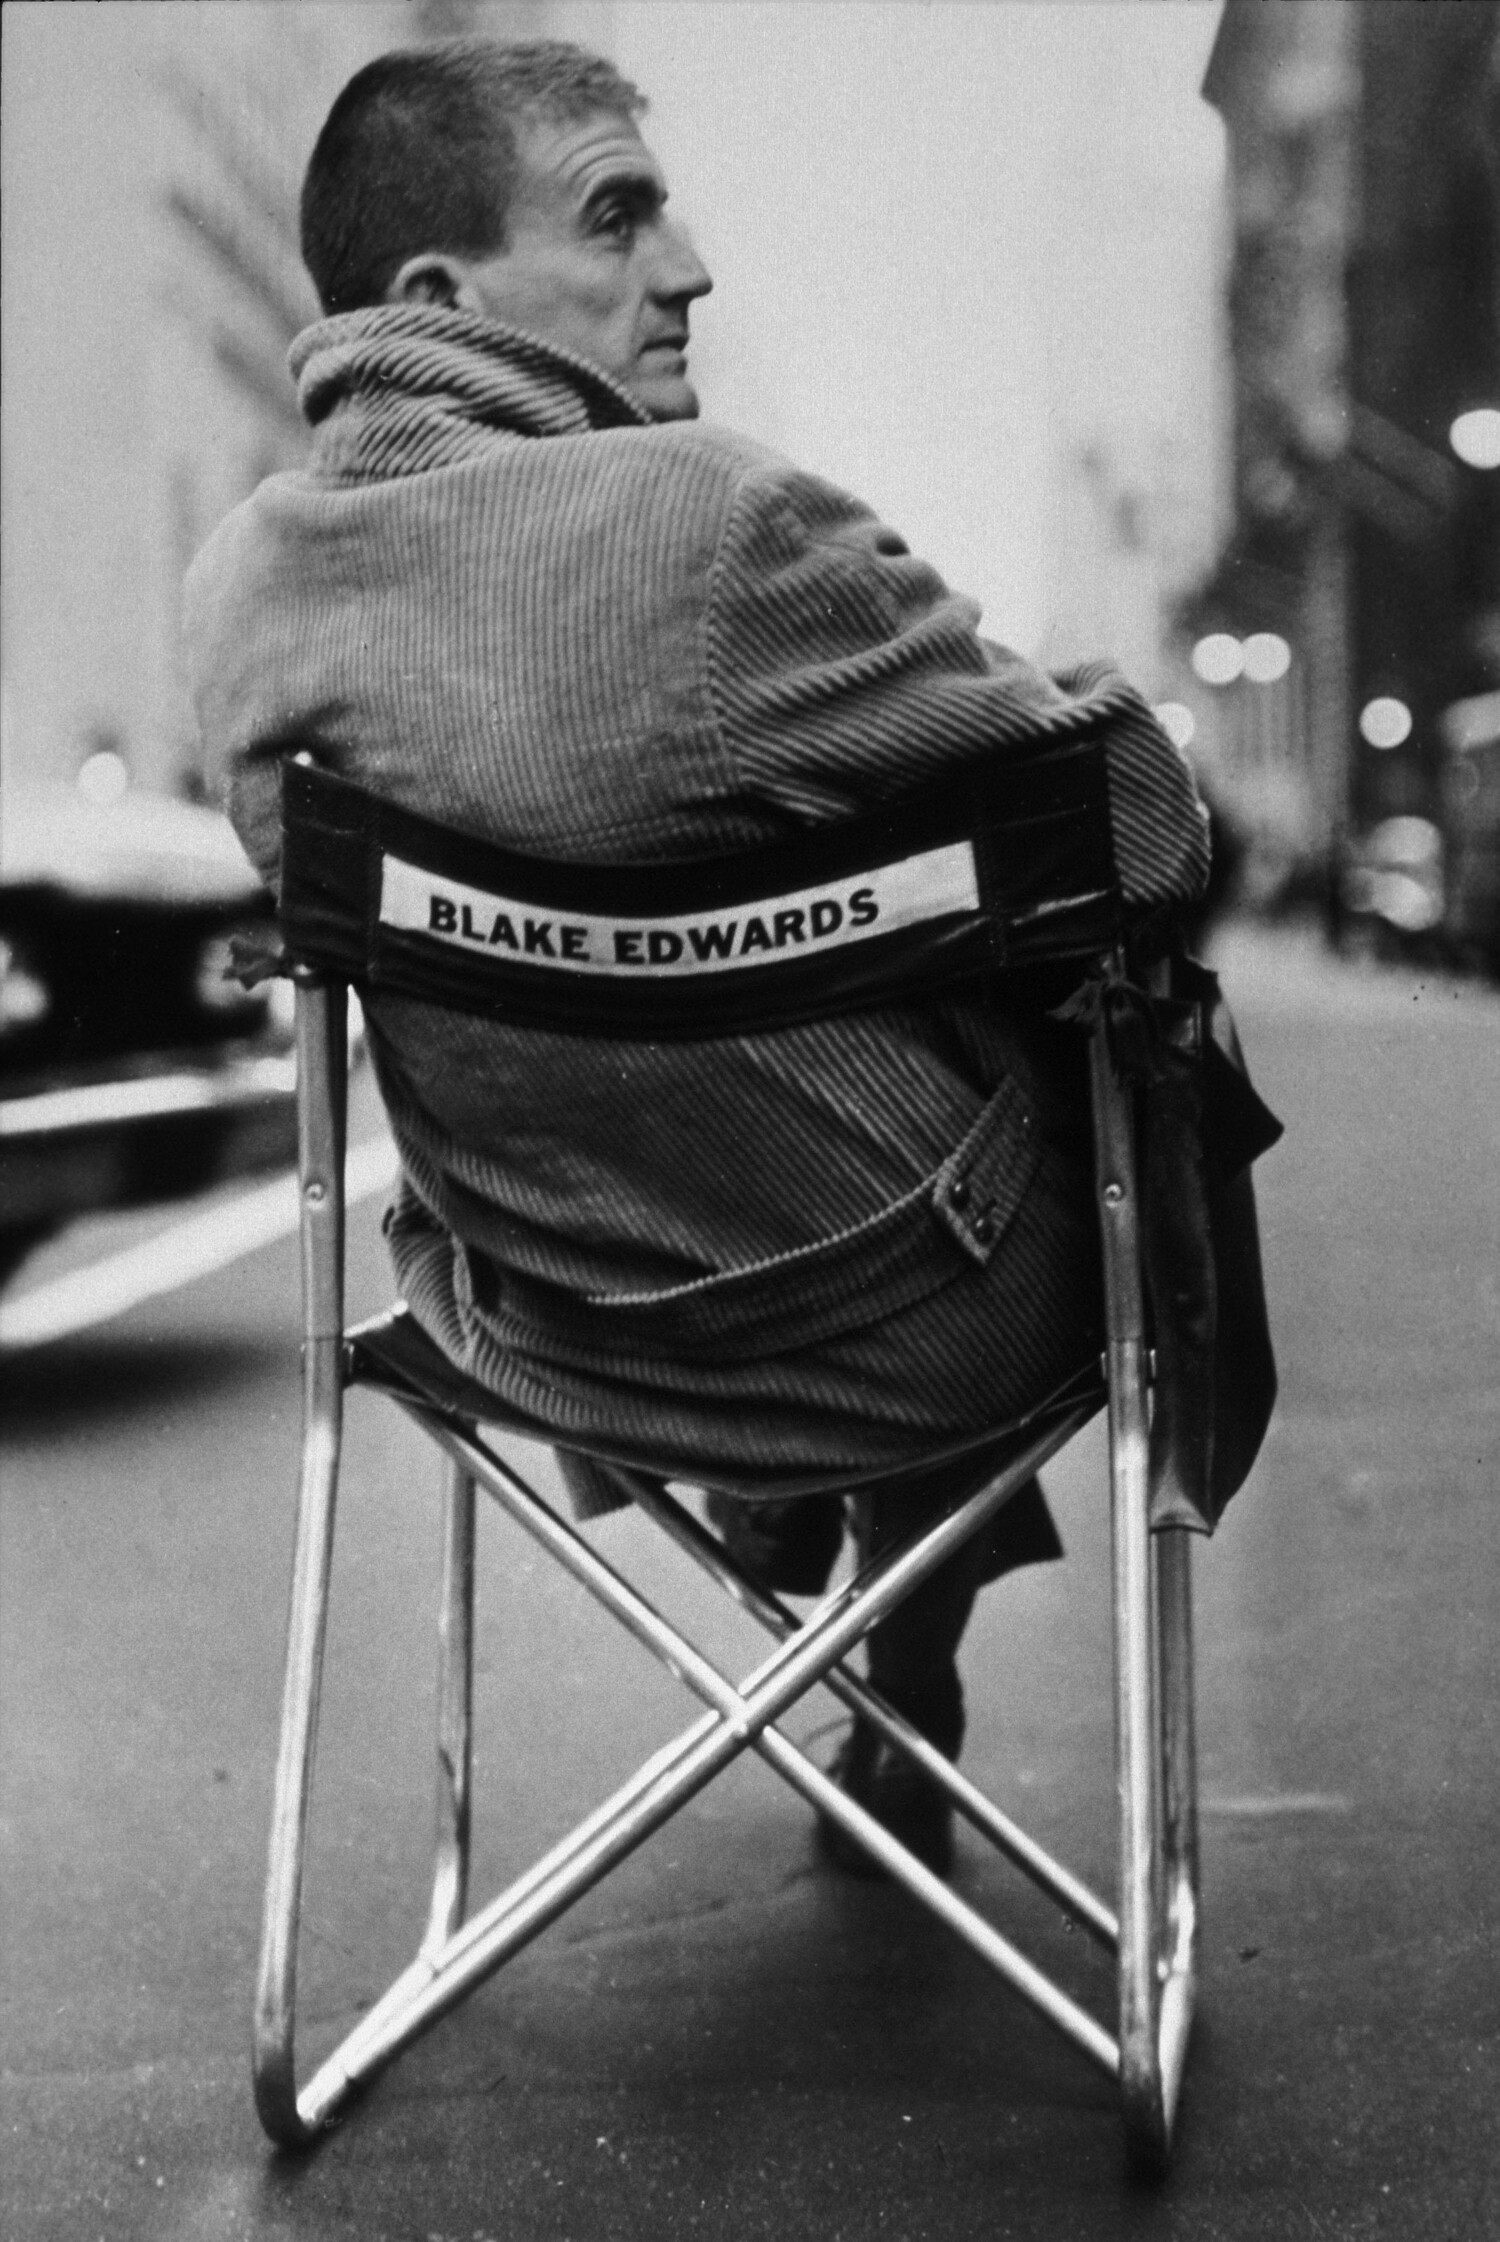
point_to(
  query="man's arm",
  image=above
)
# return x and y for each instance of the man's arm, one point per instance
(226, 599)
(844, 672)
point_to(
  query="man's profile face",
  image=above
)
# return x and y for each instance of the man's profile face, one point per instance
(593, 263)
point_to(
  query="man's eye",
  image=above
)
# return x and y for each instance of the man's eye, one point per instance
(617, 221)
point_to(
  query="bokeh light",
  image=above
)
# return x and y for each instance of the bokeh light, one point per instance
(1267, 657)
(1219, 658)
(1177, 721)
(103, 777)
(1385, 721)
(1475, 437)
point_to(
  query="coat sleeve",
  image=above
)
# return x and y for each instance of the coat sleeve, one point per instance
(844, 672)
(223, 604)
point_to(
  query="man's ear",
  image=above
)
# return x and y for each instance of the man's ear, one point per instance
(430, 278)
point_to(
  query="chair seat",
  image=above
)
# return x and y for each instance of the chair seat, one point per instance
(393, 1354)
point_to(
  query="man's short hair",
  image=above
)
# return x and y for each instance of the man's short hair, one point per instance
(419, 153)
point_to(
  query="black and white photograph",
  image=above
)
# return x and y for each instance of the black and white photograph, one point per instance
(750, 1121)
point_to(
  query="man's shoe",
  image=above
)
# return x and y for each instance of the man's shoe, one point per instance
(904, 1800)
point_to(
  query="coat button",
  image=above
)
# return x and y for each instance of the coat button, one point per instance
(958, 1192)
(983, 1226)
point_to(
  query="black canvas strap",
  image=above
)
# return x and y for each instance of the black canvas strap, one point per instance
(1011, 865)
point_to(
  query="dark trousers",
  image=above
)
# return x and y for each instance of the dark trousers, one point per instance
(911, 1655)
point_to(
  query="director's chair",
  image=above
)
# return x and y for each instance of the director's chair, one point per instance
(1008, 872)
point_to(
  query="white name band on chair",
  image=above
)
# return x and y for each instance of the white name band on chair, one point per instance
(937, 884)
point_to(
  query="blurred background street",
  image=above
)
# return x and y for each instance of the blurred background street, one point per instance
(1169, 329)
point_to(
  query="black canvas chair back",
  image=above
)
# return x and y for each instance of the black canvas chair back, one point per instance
(1009, 871)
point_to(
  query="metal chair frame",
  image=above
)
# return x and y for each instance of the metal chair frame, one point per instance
(1153, 1933)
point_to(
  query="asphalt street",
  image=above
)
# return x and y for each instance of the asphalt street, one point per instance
(726, 2040)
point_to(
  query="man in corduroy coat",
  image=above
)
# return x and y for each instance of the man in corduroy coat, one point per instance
(520, 589)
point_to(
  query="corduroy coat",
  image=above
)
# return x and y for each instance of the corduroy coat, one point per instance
(500, 597)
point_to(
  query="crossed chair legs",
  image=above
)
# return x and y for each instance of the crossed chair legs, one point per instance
(455, 1955)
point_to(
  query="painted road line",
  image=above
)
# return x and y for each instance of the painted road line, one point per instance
(193, 1248)
(1262, 1805)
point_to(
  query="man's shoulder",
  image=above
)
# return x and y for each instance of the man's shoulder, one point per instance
(245, 533)
(676, 454)
(231, 557)
(726, 447)
(757, 492)
(684, 487)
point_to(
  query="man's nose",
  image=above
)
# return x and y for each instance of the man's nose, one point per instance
(681, 273)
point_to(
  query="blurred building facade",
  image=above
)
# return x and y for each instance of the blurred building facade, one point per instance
(153, 156)
(1364, 297)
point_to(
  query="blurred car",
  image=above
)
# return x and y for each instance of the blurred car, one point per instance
(1471, 735)
(1393, 880)
(131, 1069)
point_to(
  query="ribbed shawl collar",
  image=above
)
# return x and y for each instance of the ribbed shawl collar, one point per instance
(402, 387)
